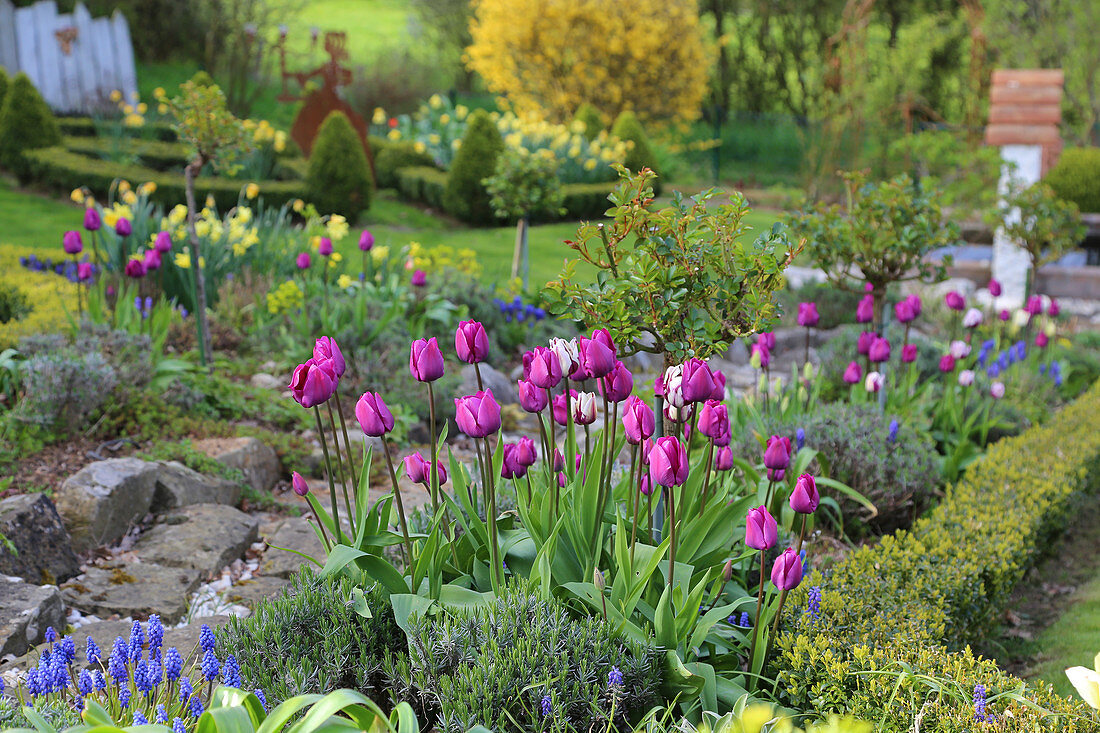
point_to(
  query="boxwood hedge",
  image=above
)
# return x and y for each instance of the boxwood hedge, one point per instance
(890, 641)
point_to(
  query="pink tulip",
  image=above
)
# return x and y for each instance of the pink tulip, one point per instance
(596, 358)
(419, 469)
(152, 261)
(865, 311)
(477, 415)
(425, 360)
(997, 390)
(163, 243)
(761, 530)
(874, 382)
(301, 488)
(764, 354)
(903, 311)
(526, 454)
(84, 271)
(645, 485)
(366, 240)
(135, 269)
(419, 279)
(545, 372)
(805, 499)
(1053, 309)
(1041, 340)
(1034, 305)
(863, 343)
(374, 417)
(723, 459)
(994, 288)
(510, 467)
(807, 315)
(303, 261)
(719, 392)
(777, 455)
(617, 384)
(947, 363)
(71, 242)
(714, 422)
(668, 464)
(313, 383)
(914, 303)
(638, 421)
(531, 398)
(325, 349)
(1004, 315)
(325, 247)
(955, 300)
(471, 342)
(604, 337)
(787, 571)
(853, 373)
(767, 340)
(909, 353)
(559, 407)
(696, 380)
(879, 351)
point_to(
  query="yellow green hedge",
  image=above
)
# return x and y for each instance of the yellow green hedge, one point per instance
(913, 602)
(53, 297)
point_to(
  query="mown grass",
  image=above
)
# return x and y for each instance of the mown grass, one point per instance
(1073, 640)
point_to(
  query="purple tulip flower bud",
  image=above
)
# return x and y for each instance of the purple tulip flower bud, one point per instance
(807, 315)
(471, 342)
(853, 373)
(714, 422)
(91, 219)
(313, 383)
(375, 419)
(909, 353)
(863, 344)
(545, 370)
(638, 420)
(879, 351)
(865, 311)
(805, 499)
(123, 228)
(71, 242)
(419, 279)
(595, 357)
(696, 381)
(325, 247)
(301, 488)
(366, 240)
(425, 360)
(303, 261)
(777, 456)
(994, 288)
(617, 384)
(325, 349)
(955, 300)
(761, 530)
(477, 415)
(531, 398)
(135, 269)
(787, 571)
(723, 459)
(668, 464)
(163, 242)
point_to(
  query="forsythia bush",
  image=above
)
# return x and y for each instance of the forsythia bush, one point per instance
(551, 56)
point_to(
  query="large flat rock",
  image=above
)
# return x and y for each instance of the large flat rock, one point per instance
(179, 486)
(26, 611)
(203, 537)
(43, 551)
(297, 534)
(252, 592)
(251, 456)
(133, 589)
(99, 502)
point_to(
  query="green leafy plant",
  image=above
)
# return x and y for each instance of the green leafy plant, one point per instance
(465, 196)
(525, 185)
(339, 180)
(26, 123)
(14, 304)
(1046, 225)
(640, 155)
(1074, 178)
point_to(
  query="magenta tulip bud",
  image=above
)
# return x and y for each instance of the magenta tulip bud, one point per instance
(714, 421)
(301, 488)
(510, 467)
(152, 260)
(425, 360)
(71, 242)
(955, 300)
(366, 240)
(723, 459)
(638, 421)
(947, 363)
(135, 269)
(645, 485)
(863, 344)
(560, 407)
(761, 530)
(419, 469)
(561, 480)
(1034, 305)
(419, 279)
(325, 349)
(1041, 340)
(668, 463)
(604, 337)
(471, 342)
(617, 385)
(807, 315)
(123, 227)
(787, 571)
(777, 456)
(584, 408)
(804, 498)
(908, 353)
(914, 303)
(696, 382)
(761, 352)
(1053, 309)
(531, 398)
(559, 460)
(865, 311)
(879, 351)
(1004, 315)
(994, 288)
(84, 271)
(374, 417)
(545, 370)
(719, 392)
(477, 415)
(313, 383)
(596, 358)
(853, 373)
(903, 311)
(91, 219)
(997, 390)
(325, 247)
(526, 453)
(303, 261)
(163, 242)
(767, 340)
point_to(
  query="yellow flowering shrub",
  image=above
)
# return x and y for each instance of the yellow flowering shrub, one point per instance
(285, 298)
(551, 56)
(442, 257)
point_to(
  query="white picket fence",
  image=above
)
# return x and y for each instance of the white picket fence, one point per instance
(74, 60)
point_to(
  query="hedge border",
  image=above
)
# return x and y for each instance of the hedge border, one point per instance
(62, 170)
(919, 596)
(86, 127)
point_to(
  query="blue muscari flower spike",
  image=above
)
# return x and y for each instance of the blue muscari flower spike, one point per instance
(178, 726)
(51, 635)
(196, 706)
(173, 664)
(139, 718)
(68, 648)
(78, 704)
(805, 562)
(186, 690)
(162, 714)
(156, 672)
(59, 670)
(746, 620)
(1, 686)
(614, 677)
(980, 713)
(124, 697)
(92, 652)
(800, 438)
(261, 697)
(1042, 368)
(137, 641)
(141, 677)
(993, 370)
(31, 682)
(813, 605)
(116, 664)
(547, 706)
(893, 436)
(210, 665)
(231, 672)
(84, 683)
(156, 633)
(100, 681)
(206, 638)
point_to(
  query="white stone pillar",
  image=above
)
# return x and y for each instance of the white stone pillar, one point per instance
(1023, 165)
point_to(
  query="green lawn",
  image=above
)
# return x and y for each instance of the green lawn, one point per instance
(1073, 640)
(371, 25)
(30, 220)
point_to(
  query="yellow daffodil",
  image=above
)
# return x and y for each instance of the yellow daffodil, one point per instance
(280, 141)
(130, 198)
(116, 95)
(379, 117)
(444, 118)
(344, 281)
(419, 146)
(147, 189)
(335, 258)
(110, 218)
(337, 227)
(252, 190)
(379, 254)
(162, 109)
(435, 101)
(394, 134)
(1087, 682)
(158, 93)
(123, 185)
(461, 111)
(77, 195)
(210, 201)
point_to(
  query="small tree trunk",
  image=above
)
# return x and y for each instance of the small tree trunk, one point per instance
(189, 174)
(879, 296)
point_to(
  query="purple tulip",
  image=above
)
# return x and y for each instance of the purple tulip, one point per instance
(904, 312)
(366, 240)
(638, 421)
(723, 459)
(375, 419)
(163, 242)
(787, 571)
(762, 352)
(604, 337)
(1004, 315)
(645, 485)
(719, 392)
(526, 454)
(696, 382)
(668, 464)
(425, 360)
(91, 219)
(1034, 305)
(853, 373)
(84, 271)
(123, 228)
(301, 488)
(1041, 340)
(71, 242)
(152, 261)
(994, 288)
(761, 530)
(617, 385)
(767, 340)
(805, 499)
(559, 407)
(908, 353)
(477, 415)
(313, 383)
(863, 343)
(865, 311)
(325, 247)
(807, 315)
(874, 382)
(947, 363)
(510, 467)
(914, 303)
(531, 398)
(714, 422)
(419, 469)
(777, 456)
(955, 300)
(135, 269)
(325, 349)
(596, 358)
(419, 279)
(471, 342)
(545, 370)
(879, 351)
(1053, 309)
(303, 261)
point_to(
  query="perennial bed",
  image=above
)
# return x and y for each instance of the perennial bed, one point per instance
(889, 643)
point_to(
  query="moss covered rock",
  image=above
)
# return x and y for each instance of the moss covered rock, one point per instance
(338, 181)
(465, 196)
(26, 123)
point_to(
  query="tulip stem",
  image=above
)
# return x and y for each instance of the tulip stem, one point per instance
(340, 465)
(635, 499)
(783, 595)
(356, 474)
(433, 480)
(706, 476)
(400, 504)
(570, 434)
(759, 603)
(672, 542)
(547, 453)
(328, 470)
(491, 517)
(806, 353)
(480, 384)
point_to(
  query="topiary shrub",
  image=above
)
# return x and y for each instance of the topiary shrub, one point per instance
(26, 123)
(591, 118)
(4, 83)
(14, 303)
(496, 665)
(628, 129)
(338, 181)
(394, 156)
(1076, 178)
(310, 640)
(465, 196)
